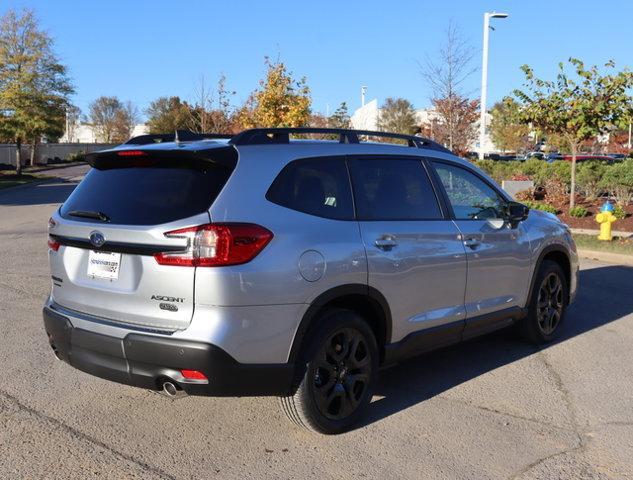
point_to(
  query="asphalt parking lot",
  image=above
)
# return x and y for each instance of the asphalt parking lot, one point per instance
(491, 408)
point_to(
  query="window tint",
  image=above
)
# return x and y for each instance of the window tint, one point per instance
(393, 189)
(316, 186)
(146, 195)
(470, 197)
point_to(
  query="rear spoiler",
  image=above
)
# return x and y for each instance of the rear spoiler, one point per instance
(224, 155)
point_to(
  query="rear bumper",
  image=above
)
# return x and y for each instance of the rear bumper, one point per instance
(146, 361)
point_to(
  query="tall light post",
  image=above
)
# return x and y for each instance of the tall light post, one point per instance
(484, 79)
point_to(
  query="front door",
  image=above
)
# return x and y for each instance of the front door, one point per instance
(498, 255)
(415, 256)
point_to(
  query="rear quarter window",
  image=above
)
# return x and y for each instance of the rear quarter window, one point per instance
(318, 186)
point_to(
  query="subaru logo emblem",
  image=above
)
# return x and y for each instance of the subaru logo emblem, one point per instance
(97, 239)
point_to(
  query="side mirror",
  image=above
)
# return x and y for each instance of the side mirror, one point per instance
(516, 212)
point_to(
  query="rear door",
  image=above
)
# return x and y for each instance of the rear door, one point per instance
(499, 256)
(111, 226)
(414, 254)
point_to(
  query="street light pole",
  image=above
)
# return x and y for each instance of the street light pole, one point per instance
(484, 79)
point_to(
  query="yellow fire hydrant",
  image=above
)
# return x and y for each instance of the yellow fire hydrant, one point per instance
(605, 218)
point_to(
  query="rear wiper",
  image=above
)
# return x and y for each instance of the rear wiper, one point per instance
(88, 214)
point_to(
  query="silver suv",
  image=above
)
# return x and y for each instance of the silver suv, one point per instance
(264, 264)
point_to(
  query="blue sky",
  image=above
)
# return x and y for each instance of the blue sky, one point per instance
(140, 50)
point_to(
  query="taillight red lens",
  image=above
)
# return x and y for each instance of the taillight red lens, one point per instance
(53, 244)
(193, 375)
(217, 245)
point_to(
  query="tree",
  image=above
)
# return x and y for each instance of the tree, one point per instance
(397, 115)
(113, 119)
(340, 118)
(507, 130)
(576, 107)
(34, 86)
(211, 111)
(167, 114)
(456, 127)
(445, 76)
(281, 101)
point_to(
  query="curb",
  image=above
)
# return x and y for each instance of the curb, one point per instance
(608, 257)
(587, 231)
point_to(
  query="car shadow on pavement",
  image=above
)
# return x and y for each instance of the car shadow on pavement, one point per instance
(48, 192)
(421, 378)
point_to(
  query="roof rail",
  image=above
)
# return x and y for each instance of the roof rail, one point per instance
(258, 136)
(177, 136)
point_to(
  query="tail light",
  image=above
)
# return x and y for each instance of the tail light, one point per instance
(53, 244)
(194, 375)
(217, 245)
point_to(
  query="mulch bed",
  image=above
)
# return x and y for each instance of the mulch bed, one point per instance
(589, 221)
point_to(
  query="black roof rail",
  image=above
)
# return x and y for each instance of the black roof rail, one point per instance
(257, 136)
(177, 136)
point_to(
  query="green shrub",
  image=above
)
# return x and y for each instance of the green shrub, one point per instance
(533, 167)
(486, 165)
(76, 157)
(578, 212)
(588, 177)
(545, 207)
(619, 212)
(499, 170)
(618, 180)
(559, 170)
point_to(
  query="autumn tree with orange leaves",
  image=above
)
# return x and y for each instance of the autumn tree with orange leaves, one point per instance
(280, 101)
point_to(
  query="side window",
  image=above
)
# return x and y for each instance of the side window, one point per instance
(470, 197)
(317, 186)
(393, 189)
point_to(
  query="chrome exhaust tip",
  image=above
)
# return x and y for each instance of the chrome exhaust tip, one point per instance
(173, 391)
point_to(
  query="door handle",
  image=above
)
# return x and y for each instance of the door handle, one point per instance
(386, 242)
(472, 243)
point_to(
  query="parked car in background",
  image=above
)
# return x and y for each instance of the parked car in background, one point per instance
(586, 158)
(617, 156)
(552, 157)
(527, 156)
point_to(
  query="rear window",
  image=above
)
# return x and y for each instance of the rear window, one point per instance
(146, 195)
(393, 189)
(318, 186)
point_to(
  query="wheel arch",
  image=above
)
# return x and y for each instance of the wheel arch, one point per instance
(556, 253)
(363, 299)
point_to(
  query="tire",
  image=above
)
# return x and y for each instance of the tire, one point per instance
(341, 365)
(548, 303)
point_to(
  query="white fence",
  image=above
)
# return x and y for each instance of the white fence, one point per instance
(47, 152)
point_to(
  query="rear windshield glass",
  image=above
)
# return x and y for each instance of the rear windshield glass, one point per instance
(145, 195)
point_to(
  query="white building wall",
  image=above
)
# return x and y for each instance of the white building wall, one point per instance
(366, 118)
(87, 133)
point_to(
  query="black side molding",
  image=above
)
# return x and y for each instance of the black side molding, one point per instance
(423, 341)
